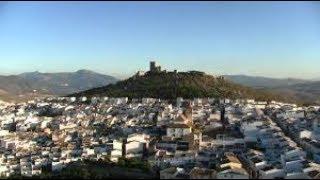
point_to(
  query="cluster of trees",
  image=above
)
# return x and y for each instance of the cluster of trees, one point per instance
(88, 169)
(134, 164)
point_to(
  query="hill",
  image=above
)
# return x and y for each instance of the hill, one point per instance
(170, 85)
(11, 87)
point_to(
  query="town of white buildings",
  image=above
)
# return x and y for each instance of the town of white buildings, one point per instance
(197, 138)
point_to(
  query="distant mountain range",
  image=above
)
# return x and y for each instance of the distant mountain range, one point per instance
(299, 89)
(52, 83)
(36, 83)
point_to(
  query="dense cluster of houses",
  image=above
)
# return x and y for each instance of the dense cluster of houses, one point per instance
(199, 138)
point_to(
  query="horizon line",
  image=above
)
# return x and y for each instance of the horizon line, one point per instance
(121, 76)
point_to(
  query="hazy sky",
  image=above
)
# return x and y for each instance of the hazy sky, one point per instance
(277, 39)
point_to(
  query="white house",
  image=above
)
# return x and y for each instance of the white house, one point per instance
(117, 151)
(178, 130)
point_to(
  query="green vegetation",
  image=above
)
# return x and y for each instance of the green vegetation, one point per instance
(134, 164)
(99, 170)
(183, 84)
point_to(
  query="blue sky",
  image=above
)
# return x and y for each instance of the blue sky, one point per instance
(276, 39)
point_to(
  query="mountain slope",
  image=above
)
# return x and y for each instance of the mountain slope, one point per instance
(183, 84)
(306, 91)
(260, 82)
(64, 83)
(23, 85)
(309, 92)
(14, 85)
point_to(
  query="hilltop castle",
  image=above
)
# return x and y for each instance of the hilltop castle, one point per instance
(153, 69)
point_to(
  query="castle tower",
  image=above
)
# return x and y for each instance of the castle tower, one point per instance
(152, 66)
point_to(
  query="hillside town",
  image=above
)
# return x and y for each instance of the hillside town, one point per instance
(189, 138)
(164, 90)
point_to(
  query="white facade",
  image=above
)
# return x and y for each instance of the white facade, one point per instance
(272, 174)
(134, 147)
(178, 132)
(232, 174)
